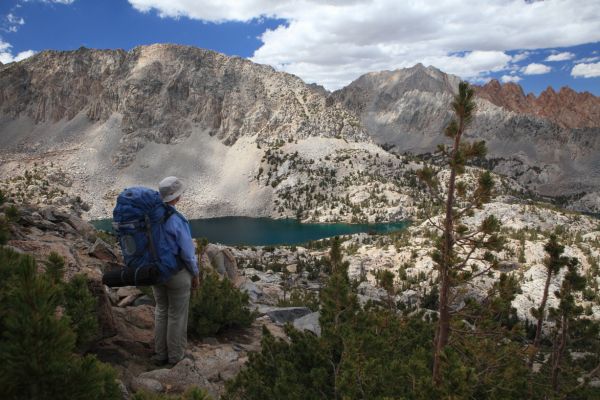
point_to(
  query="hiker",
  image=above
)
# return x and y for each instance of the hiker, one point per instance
(173, 296)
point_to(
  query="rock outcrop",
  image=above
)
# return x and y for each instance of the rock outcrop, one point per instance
(566, 108)
(161, 93)
(550, 143)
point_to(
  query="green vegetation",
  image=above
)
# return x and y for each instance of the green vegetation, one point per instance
(374, 352)
(323, 189)
(78, 302)
(12, 213)
(80, 307)
(216, 306)
(38, 342)
(458, 245)
(553, 263)
(301, 298)
(4, 231)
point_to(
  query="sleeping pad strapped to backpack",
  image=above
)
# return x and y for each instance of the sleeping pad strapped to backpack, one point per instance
(139, 222)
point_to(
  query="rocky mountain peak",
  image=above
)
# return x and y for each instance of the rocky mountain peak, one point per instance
(381, 90)
(566, 108)
(161, 93)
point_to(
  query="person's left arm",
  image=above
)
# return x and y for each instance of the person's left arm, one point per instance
(187, 251)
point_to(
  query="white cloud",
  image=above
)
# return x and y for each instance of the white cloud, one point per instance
(536, 69)
(560, 56)
(510, 78)
(587, 60)
(586, 70)
(471, 64)
(521, 56)
(12, 19)
(334, 41)
(6, 55)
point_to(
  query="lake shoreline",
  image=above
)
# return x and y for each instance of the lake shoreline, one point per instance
(264, 231)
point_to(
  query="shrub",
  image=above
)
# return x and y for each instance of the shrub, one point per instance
(107, 237)
(216, 306)
(372, 352)
(12, 213)
(4, 231)
(37, 343)
(301, 298)
(80, 306)
(55, 267)
(77, 300)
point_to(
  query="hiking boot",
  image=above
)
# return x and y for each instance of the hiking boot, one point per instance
(159, 361)
(188, 356)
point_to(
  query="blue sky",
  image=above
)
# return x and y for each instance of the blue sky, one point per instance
(537, 44)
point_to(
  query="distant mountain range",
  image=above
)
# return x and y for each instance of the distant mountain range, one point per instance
(107, 114)
(549, 143)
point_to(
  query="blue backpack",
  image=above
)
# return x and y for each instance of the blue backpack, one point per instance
(139, 222)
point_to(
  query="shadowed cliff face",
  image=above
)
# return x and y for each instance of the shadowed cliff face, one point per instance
(163, 92)
(550, 143)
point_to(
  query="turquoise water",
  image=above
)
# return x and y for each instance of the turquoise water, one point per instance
(234, 231)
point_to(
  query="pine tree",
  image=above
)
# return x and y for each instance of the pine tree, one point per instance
(453, 266)
(34, 342)
(37, 343)
(298, 369)
(216, 306)
(566, 313)
(553, 263)
(55, 267)
(80, 307)
(385, 280)
(489, 343)
(4, 231)
(339, 305)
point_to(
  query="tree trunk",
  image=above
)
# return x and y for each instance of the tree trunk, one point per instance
(541, 312)
(540, 322)
(443, 328)
(559, 351)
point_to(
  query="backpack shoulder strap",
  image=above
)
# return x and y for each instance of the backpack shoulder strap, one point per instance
(181, 217)
(150, 240)
(169, 211)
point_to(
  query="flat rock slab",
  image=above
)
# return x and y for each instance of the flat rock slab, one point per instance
(179, 378)
(147, 384)
(282, 315)
(102, 250)
(135, 323)
(127, 301)
(126, 291)
(309, 322)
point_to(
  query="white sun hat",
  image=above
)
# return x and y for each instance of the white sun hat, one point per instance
(170, 188)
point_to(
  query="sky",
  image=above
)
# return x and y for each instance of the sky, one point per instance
(536, 43)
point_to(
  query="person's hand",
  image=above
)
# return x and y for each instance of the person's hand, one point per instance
(195, 282)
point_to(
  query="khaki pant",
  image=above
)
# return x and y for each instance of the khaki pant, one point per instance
(171, 316)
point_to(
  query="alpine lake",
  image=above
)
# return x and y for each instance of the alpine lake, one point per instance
(247, 231)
